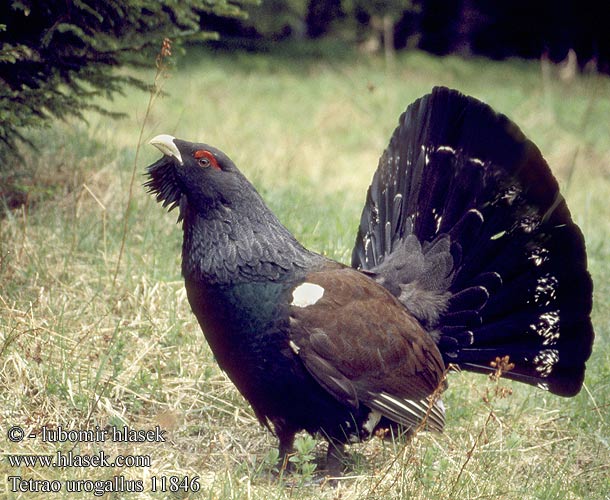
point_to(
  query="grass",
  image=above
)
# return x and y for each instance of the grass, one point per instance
(78, 349)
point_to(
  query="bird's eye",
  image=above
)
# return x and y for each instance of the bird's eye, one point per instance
(206, 159)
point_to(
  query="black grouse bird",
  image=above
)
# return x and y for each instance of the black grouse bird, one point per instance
(466, 252)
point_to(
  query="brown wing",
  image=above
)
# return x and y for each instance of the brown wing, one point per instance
(362, 345)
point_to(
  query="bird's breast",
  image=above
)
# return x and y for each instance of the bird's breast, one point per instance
(245, 326)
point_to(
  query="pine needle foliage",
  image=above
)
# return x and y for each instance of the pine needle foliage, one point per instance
(58, 57)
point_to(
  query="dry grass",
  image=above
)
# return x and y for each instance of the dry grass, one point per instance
(78, 349)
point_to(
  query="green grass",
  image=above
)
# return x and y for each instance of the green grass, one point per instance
(78, 349)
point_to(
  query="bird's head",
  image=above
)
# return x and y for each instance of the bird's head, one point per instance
(193, 173)
(226, 224)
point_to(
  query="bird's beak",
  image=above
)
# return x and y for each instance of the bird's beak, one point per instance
(165, 144)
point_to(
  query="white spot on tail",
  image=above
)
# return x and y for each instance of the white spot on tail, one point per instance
(295, 348)
(446, 149)
(306, 294)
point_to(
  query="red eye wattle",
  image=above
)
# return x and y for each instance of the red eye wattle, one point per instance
(206, 158)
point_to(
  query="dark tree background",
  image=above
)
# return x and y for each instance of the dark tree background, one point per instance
(493, 28)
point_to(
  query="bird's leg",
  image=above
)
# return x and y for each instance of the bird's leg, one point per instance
(286, 448)
(335, 458)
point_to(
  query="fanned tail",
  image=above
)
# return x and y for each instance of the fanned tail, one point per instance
(465, 224)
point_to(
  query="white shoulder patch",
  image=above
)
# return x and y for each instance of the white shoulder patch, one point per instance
(306, 294)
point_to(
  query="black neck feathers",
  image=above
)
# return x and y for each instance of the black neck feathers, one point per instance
(240, 240)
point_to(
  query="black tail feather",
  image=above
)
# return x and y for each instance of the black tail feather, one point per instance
(492, 227)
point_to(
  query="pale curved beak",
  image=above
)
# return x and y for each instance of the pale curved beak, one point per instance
(165, 144)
